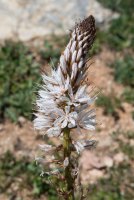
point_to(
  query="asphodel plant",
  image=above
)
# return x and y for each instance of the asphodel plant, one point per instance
(64, 104)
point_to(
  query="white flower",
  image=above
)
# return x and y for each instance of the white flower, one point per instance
(86, 119)
(66, 117)
(63, 100)
(57, 85)
(80, 97)
(42, 122)
(54, 131)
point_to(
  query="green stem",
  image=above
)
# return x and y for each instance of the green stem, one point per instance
(67, 154)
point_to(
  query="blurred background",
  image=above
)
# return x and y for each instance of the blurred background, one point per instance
(32, 36)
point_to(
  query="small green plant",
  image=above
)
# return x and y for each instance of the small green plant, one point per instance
(12, 170)
(124, 144)
(120, 34)
(123, 71)
(18, 75)
(122, 6)
(126, 147)
(110, 105)
(128, 95)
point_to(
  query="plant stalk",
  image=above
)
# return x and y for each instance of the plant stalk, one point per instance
(67, 154)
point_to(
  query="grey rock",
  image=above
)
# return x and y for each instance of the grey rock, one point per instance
(29, 19)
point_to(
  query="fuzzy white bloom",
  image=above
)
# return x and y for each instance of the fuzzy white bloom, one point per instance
(63, 100)
(66, 117)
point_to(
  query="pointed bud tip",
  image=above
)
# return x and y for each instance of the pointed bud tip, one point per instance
(87, 24)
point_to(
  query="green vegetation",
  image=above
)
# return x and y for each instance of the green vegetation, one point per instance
(109, 104)
(128, 95)
(126, 147)
(120, 34)
(124, 143)
(120, 37)
(123, 71)
(13, 170)
(19, 74)
(121, 6)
